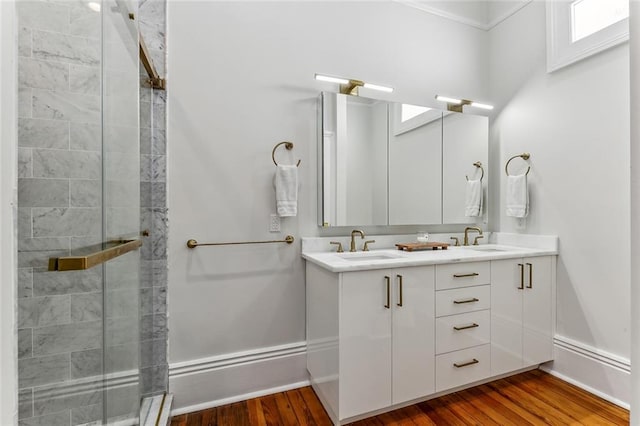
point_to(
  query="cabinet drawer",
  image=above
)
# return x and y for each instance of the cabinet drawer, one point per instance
(462, 275)
(461, 367)
(462, 300)
(462, 331)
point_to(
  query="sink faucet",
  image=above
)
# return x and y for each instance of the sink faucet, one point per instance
(353, 240)
(466, 233)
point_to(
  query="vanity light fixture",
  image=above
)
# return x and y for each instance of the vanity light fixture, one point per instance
(351, 86)
(454, 104)
(481, 106)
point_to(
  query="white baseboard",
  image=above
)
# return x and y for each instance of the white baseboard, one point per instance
(210, 382)
(598, 372)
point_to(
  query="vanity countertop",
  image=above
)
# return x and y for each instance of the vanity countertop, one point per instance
(391, 258)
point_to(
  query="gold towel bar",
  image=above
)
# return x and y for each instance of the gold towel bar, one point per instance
(288, 145)
(193, 243)
(479, 165)
(78, 263)
(525, 156)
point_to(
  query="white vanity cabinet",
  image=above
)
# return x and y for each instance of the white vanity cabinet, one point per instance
(386, 338)
(522, 314)
(370, 337)
(379, 338)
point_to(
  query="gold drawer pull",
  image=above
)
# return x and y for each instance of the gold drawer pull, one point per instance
(464, 327)
(473, 274)
(475, 361)
(458, 302)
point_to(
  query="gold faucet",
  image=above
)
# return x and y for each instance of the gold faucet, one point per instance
(353, 241)
(466, 234)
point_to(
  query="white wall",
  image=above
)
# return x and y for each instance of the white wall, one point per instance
(634, 47)
(8, 181)
(575, 124)
(240, 81)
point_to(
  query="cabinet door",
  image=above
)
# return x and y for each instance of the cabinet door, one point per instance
(413, 333)
(365, 342)
(537, 311)
(506, 315)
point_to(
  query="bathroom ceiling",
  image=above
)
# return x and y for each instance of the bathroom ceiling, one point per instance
(483, 14)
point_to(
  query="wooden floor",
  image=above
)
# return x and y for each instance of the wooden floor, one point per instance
(532, 398)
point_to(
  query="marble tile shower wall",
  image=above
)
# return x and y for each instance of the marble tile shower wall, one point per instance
(153, 162)
(59, 137)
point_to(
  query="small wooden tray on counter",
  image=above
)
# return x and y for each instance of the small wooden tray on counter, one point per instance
(422, 246)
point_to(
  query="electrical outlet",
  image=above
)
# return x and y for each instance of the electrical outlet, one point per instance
(274, 223)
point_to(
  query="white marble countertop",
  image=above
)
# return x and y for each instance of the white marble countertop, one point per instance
(392, 258)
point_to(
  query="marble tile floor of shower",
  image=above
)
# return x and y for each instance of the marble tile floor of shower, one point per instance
(531, 398)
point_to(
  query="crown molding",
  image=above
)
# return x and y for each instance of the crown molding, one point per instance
(485, 26)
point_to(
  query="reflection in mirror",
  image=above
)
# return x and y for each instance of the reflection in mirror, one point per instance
(355, 168)
(384, 163)
(415, 166)
(464, 142)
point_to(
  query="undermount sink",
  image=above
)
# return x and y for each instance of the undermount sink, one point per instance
(367, 256)
(485, 248)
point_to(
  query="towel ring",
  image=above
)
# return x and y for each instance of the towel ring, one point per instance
(479, 165)
(288, 145)
(525, 156)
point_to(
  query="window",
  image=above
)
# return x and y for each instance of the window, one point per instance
(410, 111)
(581, 28)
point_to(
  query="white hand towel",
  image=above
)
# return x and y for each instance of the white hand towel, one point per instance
(286, 183)
(473, 199)
(517, 196)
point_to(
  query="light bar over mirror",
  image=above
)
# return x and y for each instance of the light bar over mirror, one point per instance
(351, 86)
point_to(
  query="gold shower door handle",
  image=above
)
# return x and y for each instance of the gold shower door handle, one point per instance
(78, 263)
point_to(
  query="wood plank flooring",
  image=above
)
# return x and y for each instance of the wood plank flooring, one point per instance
(531, 398)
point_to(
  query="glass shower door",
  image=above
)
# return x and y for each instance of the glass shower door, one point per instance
(121, 209)
(78, 199)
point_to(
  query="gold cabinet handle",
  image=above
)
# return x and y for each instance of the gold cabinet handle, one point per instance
(530, 275)
(399, 290)
(465, 364)
(458, 302)
(473, 274)
(465, 327)
(521, 266)
(388, 280)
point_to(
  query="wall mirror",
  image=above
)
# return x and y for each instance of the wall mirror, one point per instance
(387, 163)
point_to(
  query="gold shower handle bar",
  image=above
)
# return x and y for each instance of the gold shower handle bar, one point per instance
(193, 243)
(79, 263)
